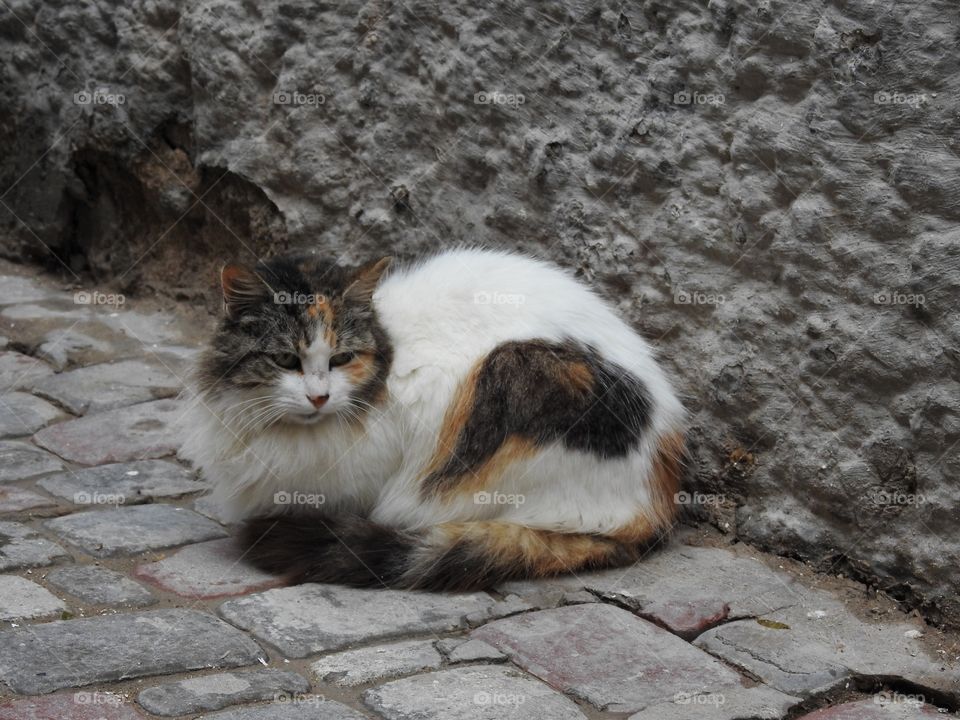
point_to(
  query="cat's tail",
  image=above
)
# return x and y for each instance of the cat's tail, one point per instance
(351, 550)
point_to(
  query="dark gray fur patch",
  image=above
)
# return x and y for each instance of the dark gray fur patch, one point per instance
(520, 393)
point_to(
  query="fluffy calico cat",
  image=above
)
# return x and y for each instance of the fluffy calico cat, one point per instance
(476, 417)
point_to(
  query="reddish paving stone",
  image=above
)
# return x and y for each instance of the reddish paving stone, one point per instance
(137, 432)
(880, 707)
(691, 589)
(607, 656)
(82, 705)
(207, 570)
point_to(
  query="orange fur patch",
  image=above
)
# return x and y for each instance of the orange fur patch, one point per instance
(578, 376)
(360, 368)
(454, 420)
(513, 448)
(533, 552)
(664, 486)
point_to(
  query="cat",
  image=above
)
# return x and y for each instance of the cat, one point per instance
(475, 417)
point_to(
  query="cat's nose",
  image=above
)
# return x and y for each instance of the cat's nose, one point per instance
(318, 400)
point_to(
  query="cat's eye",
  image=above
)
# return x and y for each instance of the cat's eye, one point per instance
(288, 361)
(341, 359)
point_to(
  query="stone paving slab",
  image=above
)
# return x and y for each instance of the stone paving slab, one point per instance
(108, 648)
(19, 371)
(137, 432)
(82, 705)
(756, 703)
(62, 347)
(356, 667)
(458, 650)
(107, 386)
(132, 530)
(21, 599)
(16, 499)
(128, 483)
(23, 547)
(876, 708)
(99, 586)
(470, 693)
(214, 692)
(607, 656)
(301, 707)
(23, 414)
(683, 588)
(213, 569)
(313, 618)
(689, 589)
(21, 460)
(818, 643)
(18, 289)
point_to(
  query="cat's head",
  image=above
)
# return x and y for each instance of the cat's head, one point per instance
(299, 342)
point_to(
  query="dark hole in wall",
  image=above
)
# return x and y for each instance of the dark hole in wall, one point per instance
(159, 223)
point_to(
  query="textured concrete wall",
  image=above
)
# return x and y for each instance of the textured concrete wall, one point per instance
(767, 189)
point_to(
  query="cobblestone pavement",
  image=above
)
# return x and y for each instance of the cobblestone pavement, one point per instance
(123, 596)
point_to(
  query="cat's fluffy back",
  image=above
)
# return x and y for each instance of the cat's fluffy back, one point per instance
(450, 310)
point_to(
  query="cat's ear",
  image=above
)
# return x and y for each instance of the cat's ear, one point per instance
(365, 281)
(242, 289)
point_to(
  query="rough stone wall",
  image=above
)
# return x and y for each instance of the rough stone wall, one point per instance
(769, 190)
